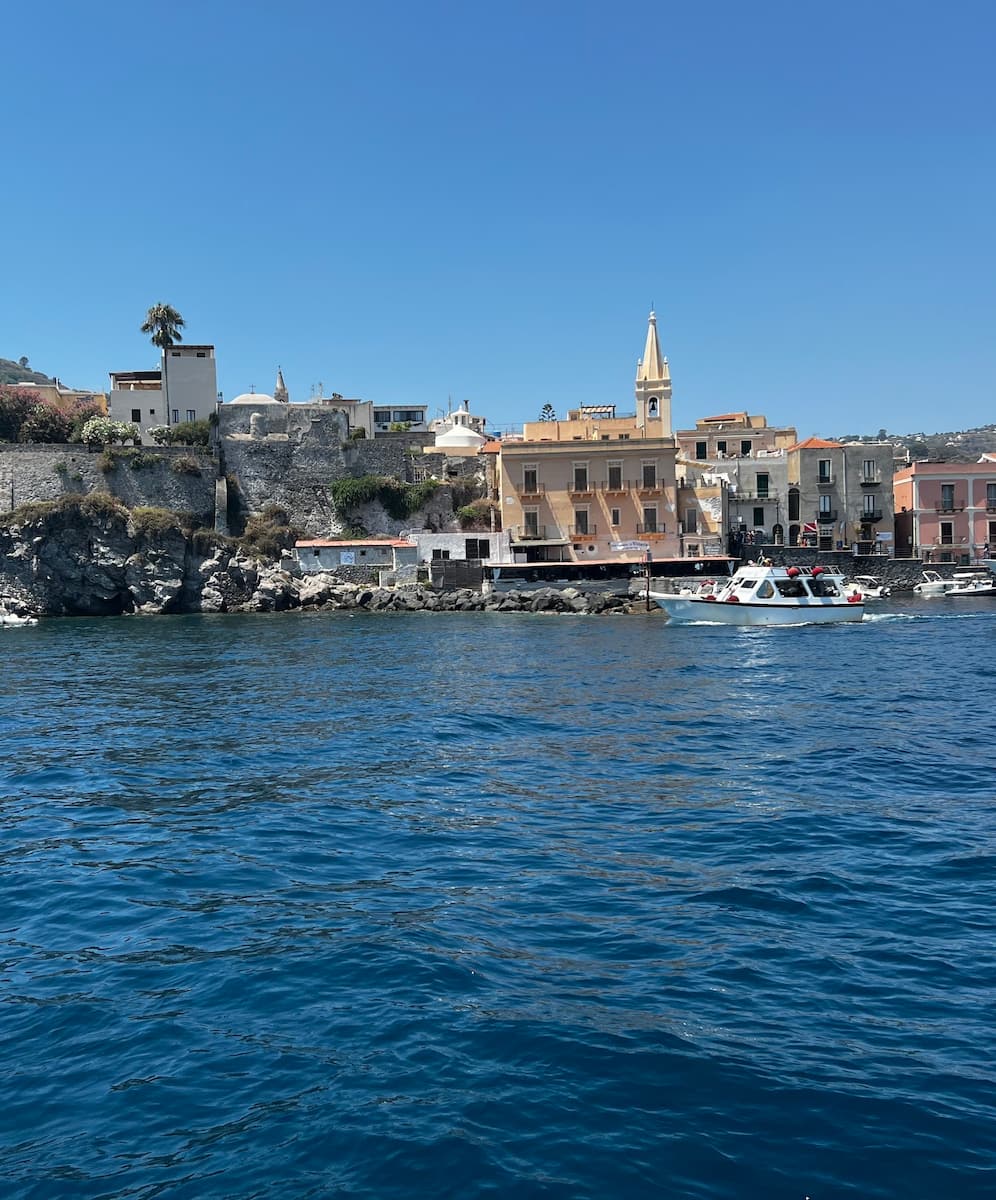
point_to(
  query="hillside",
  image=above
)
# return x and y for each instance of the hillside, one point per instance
(20, 372)
(966, 445)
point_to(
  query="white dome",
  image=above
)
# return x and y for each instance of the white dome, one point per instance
(460, 435)
(254, 398)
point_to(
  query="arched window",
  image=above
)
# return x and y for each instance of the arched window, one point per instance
(778, 535)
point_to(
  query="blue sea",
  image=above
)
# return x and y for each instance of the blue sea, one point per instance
(425, 905)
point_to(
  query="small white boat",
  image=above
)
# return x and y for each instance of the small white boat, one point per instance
(761, 594)
(933, 584)
(982, 584)
(11, 618)
(869, 586)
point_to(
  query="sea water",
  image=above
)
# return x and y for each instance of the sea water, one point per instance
(419, 905)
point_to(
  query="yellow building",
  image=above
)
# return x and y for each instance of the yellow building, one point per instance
(596, 486)
(66, 399)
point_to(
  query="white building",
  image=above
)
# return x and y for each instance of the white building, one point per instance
(412, 416)
(191, 383)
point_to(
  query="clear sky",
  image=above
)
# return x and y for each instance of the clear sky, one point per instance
(410, 202)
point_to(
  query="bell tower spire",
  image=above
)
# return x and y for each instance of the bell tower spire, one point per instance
(653, 386)
(280, 388)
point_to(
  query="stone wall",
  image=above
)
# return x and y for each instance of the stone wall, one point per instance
(30, 473)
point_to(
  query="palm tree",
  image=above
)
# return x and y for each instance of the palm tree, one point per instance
(163, 324)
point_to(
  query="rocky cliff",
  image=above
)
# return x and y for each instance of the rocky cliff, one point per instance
(91, 556)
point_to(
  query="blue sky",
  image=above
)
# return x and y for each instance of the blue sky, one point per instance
(415, 202)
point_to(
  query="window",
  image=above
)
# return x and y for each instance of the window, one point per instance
(868, 505)
(136, 415)
(992, 536)
(825, 504)
(530, 521)
(615, 516)
(721, 447)
(580, 477)
(530, 479)
(745, 448)
(650, 518)
(624, 437)
(652, 407)
(793, 505)
(438, 554)
(691, 520)
(649, 470)
(581, 520)
(152, 412)
(762, 486)
(176, 416)
(869, 472)
(947, 497)
(201, 354)
(991, 495)
(615, 477)
(191, 414)
(824, 470)
(174, 353)
(758, 518)
(701, 450)
(947, 533)
(477, 548)
(382, 416)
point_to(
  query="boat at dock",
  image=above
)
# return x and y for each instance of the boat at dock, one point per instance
(763, 594)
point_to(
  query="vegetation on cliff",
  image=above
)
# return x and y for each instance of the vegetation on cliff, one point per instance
(20, 372)
(399, 500)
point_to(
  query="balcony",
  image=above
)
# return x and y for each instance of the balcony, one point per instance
(620, 486)
(534, 533)
(872, 480)
(949, 508)
(533, 489)
(753, 497)
(645, 528)
(583, 531)
(826, 518)
(646, 488)
(825, 481)
(580, 487)
(871, 515)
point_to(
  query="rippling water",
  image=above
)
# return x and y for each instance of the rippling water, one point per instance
(419, 905)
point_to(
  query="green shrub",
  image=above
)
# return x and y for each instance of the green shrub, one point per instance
(476, 515)
(266, 538)
(149, 522)
(186, 464)
(138, 460)
(190, 433)
(61, 468)
(100, 504)
(399, 500)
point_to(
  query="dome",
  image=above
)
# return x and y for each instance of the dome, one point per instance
(460, 435)
(254, 398)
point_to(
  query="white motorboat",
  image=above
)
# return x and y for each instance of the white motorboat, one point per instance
(11, 618)
(933, 584)
(869, 587)
(761, 594)
(982, 584)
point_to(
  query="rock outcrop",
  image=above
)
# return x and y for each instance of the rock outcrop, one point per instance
(90, 556)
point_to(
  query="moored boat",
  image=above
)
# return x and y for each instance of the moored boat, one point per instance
(762, 594)
(13, 618)
(869, 587)
(933, 584)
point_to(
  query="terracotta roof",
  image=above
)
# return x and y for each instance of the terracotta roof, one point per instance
(350, 543)
(492, 447)
(727, 417)
(815, 443)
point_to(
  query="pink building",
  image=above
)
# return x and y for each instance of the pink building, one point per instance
(946, 512)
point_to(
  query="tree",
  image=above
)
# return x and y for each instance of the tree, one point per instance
(163, 324)
(23, 361)
(547, 413)
(15, 406)
(46, 423)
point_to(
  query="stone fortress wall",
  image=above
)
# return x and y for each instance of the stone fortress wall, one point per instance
(31, 473)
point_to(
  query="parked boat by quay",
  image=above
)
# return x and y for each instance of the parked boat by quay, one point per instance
(869, 587)
(935, 584)
(763, 594)
(983, 584)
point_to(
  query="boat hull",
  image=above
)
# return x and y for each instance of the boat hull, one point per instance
(686, 609)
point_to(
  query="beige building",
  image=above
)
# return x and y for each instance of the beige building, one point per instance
(596, 486)
(63, 398)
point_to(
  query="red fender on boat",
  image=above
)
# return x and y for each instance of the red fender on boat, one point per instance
(854, 598)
